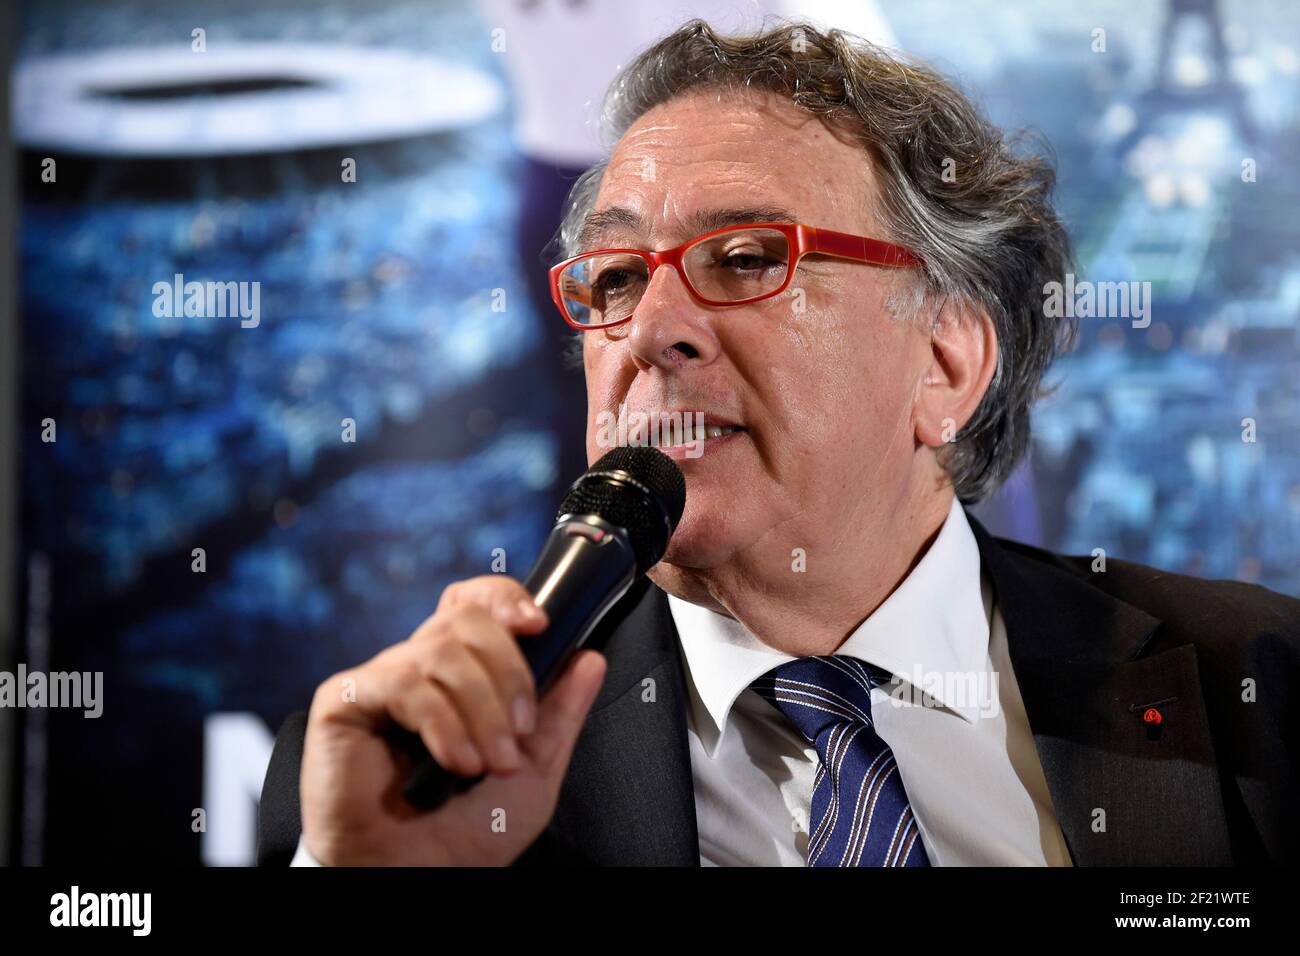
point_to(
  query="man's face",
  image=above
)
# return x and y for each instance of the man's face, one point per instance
(821, 377)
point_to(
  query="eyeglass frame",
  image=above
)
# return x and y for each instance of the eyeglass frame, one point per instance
(801, 239)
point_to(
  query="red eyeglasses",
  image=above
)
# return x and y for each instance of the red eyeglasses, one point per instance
(735, 265)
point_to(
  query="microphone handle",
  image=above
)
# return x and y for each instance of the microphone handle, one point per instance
(585, 567)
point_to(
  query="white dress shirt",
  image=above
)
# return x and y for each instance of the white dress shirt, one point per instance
(967, 760)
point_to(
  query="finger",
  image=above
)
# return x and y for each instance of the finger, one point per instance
(391, 690)
(482, 707)
(424, 708)
(509, 671)
(504, 597)
(562, 712)
(355, 696)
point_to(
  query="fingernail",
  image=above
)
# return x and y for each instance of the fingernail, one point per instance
(529, 608)
(469, 754)
(523, 715)
(507, 753)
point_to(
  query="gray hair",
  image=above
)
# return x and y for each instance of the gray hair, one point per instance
(952, 188)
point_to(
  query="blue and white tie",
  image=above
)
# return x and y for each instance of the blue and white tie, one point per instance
(860, 812)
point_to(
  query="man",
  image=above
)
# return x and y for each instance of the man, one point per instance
(837, 261)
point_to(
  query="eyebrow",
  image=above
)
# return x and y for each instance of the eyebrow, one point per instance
(606, 222)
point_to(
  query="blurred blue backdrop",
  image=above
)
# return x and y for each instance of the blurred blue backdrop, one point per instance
(409, 303)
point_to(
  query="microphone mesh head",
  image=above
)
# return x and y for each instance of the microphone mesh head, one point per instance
(637, 488)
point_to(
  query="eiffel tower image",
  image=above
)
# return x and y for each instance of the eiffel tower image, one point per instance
(1166, 95)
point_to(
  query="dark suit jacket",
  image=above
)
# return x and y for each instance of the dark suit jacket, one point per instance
(1218, 783)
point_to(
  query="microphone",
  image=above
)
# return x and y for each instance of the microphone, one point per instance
(612, 527)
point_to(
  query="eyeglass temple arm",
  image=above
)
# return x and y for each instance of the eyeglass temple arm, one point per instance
(827, 242)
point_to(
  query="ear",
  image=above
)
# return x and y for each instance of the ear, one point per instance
(963, 358)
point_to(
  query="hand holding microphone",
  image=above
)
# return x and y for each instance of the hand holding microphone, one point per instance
(443, 720)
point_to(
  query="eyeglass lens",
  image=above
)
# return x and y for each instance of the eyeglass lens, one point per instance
(604, 288)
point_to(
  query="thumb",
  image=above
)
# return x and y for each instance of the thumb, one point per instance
(562, 712)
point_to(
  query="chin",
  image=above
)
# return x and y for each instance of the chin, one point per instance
(705, 536)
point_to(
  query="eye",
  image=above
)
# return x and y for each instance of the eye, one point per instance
(612, 280)
(745, 262)
(742, 261)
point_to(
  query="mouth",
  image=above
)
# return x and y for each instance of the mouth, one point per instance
(686, 435)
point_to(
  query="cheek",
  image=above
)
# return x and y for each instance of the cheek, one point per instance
(592, 373)
(817, 372)
(839, 381)
(606, 390)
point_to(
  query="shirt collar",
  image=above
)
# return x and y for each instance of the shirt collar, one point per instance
(935, 623)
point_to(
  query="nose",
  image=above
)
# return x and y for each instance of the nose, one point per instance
(669, 329)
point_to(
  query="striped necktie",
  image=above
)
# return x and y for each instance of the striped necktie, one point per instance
(860, 812)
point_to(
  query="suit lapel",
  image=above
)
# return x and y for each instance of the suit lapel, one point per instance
(628, 798)
(1124, 793)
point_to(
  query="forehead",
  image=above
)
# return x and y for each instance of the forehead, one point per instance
(711, 158)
